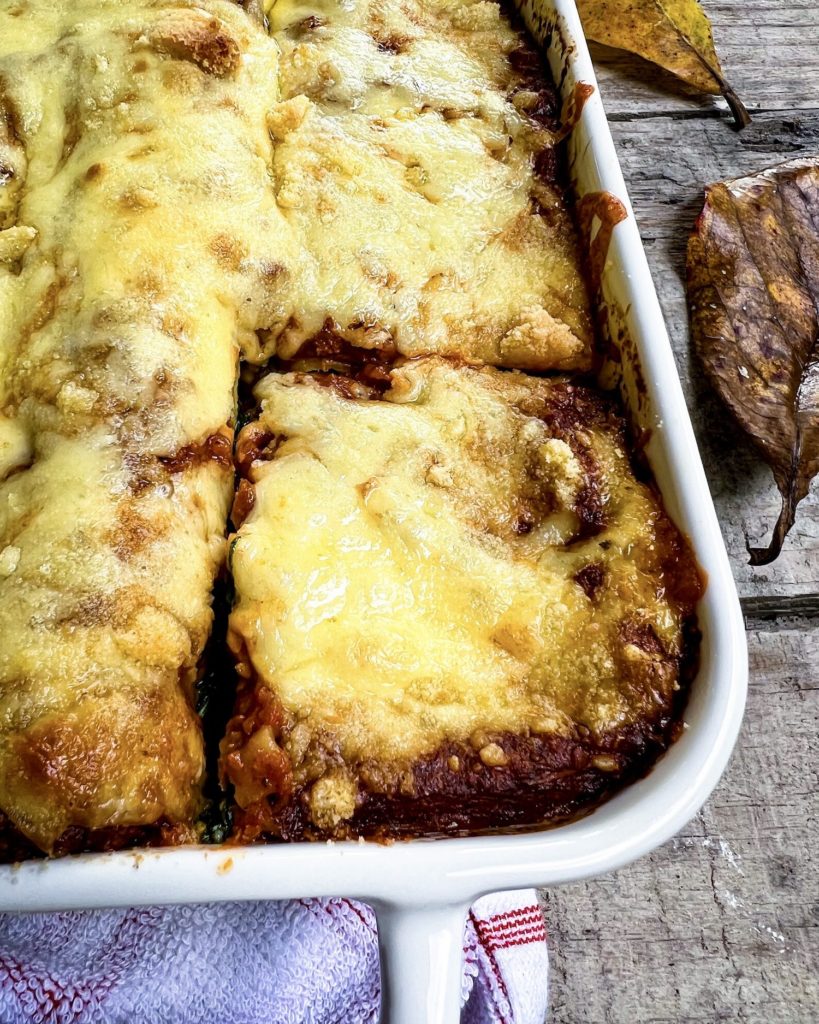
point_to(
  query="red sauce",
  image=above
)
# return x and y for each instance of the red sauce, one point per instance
(259, 772)
(609, 211)
(215, 448)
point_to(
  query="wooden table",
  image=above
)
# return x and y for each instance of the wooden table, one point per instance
(722, 924)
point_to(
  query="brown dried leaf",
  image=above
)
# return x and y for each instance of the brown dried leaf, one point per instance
(753, 297)
(674, 34)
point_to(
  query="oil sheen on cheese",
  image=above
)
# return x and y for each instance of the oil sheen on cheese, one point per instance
(411, 571)
(406, 162)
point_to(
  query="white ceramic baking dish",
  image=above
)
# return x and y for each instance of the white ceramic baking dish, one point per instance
(421, 889)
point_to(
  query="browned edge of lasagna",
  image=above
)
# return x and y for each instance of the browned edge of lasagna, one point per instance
(459, 606)
(418, 160)
(141, 249)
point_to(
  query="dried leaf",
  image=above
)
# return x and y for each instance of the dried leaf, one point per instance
(753, 296)
(674, 34)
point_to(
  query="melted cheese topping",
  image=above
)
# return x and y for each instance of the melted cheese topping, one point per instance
(406, 576)
(180, 190)
(140, 250)
(104, 610)
(405, 162)
(156, 248)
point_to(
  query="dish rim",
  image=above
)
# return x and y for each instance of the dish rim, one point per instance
(439, 878)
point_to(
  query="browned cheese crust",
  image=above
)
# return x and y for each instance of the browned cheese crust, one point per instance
(417, 159)
(457, 606)
(137, 230)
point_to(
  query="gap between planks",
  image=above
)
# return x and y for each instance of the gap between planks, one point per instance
(763, 612)
(716, 113)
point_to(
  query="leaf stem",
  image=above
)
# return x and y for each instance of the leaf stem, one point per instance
(741, 116)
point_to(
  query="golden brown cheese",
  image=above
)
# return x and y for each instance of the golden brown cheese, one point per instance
(441, 584)
(415, 162)
(140, 250)
(468, 559)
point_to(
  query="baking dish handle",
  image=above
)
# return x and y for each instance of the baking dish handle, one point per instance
(421, 963)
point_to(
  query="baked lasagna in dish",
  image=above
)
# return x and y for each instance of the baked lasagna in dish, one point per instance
(456, 606)
(457, 601)
(416, 159)
(142, 247)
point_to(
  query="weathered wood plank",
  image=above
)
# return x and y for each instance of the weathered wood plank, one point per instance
(769, 50)
(666, 163)
(722, 924)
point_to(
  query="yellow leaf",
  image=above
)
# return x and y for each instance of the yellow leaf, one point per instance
(674, 34)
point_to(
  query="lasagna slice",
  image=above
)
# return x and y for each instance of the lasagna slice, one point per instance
(140, 249)
(417, 161)
(457, 606)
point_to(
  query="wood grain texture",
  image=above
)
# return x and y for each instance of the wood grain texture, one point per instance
(722, 924)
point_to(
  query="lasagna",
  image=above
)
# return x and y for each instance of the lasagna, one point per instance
(141, 249)
(417, 160)
(458, 603)
(457, 606)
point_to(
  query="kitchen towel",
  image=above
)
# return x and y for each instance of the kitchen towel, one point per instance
(310, 961)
